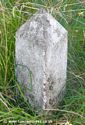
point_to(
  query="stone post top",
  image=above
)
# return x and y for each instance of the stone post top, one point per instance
(42, 11)
(42, 19)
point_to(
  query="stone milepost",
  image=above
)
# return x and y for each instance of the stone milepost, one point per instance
(41, 60)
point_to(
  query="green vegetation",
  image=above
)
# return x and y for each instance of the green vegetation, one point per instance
(71, 14)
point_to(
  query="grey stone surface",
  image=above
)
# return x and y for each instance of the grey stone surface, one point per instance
(41, 60)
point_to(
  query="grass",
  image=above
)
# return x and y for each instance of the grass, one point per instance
(71, 14)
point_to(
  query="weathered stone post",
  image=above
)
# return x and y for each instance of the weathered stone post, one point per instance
(41, 60)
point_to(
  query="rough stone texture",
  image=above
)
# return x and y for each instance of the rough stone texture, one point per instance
(41, 60)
